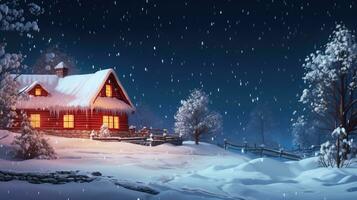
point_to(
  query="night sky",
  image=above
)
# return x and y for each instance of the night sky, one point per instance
(240, 52)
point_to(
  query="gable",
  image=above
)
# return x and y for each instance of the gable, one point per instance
(117, 90)
(35, 89)
(38, 90)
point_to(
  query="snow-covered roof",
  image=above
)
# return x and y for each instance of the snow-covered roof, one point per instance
(60, 65)
(72, 92)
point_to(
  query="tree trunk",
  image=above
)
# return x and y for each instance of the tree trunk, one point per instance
(197, 137)
(338, 157)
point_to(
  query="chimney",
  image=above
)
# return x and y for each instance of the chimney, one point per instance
(61, 70)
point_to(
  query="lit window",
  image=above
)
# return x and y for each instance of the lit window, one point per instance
(116, 122)
(35, 120)
(108, 91)
(111, 121)
(68, 121)
(38, 91)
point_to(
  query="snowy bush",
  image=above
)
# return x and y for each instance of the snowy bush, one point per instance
(338, 154)
(193, 119)
(104, 131)
(31, 144)
(93, 134)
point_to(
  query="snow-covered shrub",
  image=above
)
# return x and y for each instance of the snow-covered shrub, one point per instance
(104, 131)
(93, 134)
(338, 154)
(31, 144)
(194, 119)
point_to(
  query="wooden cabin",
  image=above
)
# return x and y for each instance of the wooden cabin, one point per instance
(74, 105)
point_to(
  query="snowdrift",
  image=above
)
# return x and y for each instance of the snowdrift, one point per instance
(185, 172)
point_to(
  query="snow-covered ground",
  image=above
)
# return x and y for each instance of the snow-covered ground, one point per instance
(185, 172)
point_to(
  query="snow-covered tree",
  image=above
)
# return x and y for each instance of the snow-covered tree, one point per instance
(104, 131)
(194, 119)
(12, 18)
(31, 144)
(9, 64)
(330, 77)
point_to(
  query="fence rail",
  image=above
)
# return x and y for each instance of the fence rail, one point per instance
(262, 151)
(152, 140)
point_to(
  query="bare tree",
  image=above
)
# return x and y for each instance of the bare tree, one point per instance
(261, 121)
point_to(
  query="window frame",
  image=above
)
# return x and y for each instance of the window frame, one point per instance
(111, 121)
(68, 120)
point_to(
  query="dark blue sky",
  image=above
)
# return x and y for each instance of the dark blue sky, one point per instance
(238, 51)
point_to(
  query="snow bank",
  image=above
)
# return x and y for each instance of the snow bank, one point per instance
(190, 171)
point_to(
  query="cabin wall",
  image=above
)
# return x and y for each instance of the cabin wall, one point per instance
(83, 120)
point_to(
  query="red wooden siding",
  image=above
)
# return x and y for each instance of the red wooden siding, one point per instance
(82, 120)
(38, 86)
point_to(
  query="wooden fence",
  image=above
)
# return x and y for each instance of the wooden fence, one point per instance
(262, 151)
(151, 140)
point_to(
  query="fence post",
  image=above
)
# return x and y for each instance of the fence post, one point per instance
(225, 144)
(261, 152)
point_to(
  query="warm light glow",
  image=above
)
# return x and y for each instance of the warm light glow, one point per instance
(68, 121)
(108, 91)
(35, 120)
(38, 91)
(111, 121)
(116, 122)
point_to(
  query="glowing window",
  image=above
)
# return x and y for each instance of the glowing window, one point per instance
(108, 91)
(68, 121)
(38, 91)
(116, 122)
(111, 121)
(35, 120)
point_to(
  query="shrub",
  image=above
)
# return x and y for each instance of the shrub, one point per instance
(31, 144)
